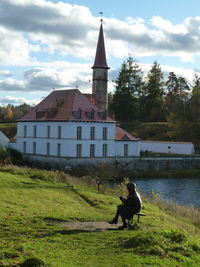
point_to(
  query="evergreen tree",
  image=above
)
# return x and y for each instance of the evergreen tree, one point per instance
(153, 99)
(172, 84)
(177, 107)
(195, 110)
(125, 103)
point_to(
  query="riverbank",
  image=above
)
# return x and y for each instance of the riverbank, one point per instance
(175, 173)
(35, 205)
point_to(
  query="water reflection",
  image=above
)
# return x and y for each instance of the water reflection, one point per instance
(185, 191)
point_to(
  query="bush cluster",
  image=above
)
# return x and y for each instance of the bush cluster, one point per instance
(10, 156)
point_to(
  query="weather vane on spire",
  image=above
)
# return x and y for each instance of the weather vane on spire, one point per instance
(101, 13)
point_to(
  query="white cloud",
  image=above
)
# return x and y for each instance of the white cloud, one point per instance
(167, 26)
(10, 84)
(5, 73)
(17, 100)
(28, 26)
(57, 75)
(14, 48)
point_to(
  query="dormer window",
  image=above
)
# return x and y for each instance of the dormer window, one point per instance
(51, 112)
(90, 114)
(125, 137)
(77, 114)
(40, 113)
(103, 115)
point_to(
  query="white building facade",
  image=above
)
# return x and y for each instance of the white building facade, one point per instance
(66, 139)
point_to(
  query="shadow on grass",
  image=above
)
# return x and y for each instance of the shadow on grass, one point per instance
(87, 200)
(32, 185)
(60, 232)
(58, 220)
(53, 220)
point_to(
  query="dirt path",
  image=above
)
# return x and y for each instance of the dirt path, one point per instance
(89, 226)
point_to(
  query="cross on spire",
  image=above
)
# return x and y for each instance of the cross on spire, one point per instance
(101, 13)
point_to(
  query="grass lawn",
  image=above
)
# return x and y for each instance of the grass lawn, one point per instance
(30, 207)
(8, 124)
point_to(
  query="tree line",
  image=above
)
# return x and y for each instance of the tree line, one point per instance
(11, 113)
(146, 98)
(151, 98)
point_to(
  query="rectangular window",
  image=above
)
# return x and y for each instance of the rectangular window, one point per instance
(125, 150)
(78, 150)
(92, 150)
(105, 132)
(92, 133)
(105, 150)
(79, 133)
(48, 149)
(48, 131)
(59, 132)
(58, 150)
(24, 146)
(34, 131)
(34, 147)
(25, 130)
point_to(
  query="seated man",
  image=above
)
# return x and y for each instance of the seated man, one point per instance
(130, 206)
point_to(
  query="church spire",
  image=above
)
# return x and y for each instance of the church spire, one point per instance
(100, 58)
(100, 74)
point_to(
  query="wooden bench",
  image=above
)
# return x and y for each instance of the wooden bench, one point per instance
(139, 214)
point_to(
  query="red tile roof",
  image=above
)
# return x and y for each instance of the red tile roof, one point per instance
(122, 135)
(100, 58)
(65, 105)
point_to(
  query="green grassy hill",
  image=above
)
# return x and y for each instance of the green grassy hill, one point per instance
(31, 206)
(9, 129)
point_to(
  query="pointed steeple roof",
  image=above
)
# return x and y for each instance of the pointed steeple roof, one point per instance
(100, 58)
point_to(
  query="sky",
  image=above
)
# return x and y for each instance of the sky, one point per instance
(47, 45)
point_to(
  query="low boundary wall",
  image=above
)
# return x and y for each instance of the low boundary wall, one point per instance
(130, 163)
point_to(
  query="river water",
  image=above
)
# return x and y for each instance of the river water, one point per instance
(184, 191)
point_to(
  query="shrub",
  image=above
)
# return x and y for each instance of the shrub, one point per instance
(32, 262)
(16, 156)
(10, 156)
(175, 236)
(5, 157)
(164, 243)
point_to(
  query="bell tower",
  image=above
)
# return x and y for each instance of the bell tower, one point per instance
(100, 74)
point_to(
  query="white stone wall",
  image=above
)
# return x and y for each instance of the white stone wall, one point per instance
(133, 148)
(68, 140)
(167, 147)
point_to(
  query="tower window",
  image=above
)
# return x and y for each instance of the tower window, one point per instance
(24, 146)
(105, 133)
(79, 133)
(48, 131)
(92, 150)
(34, 131)
(25, 130)
(125, 150)
(92, 133)
(78, 150)
(34, 147)
(58, 150)
(105, 150)
(48, 149)
(59, 132)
